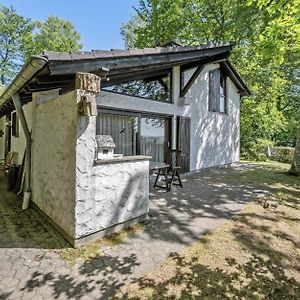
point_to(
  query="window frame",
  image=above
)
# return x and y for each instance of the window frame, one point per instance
(140, 115)
(223, 77)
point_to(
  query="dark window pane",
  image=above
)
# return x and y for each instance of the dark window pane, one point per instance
(15, 125)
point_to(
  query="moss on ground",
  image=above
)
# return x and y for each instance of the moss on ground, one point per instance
(92, 250)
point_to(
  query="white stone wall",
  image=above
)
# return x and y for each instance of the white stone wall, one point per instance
(54, 132)
(106, 194)
(111, 194)
(214, 137)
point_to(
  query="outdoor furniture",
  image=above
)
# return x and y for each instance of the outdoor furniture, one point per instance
(161, 170)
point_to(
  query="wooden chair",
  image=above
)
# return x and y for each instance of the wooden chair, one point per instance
(174, 169)
(8, 161)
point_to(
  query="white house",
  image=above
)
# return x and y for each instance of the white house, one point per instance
(152, 101)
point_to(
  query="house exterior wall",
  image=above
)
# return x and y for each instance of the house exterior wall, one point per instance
(214, 136)
(2, 138)
(18, 144)
(54, 133)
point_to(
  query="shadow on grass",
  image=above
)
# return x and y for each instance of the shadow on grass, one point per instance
(264, 265)
(262, 279)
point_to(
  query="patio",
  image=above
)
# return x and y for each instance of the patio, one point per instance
(31, 266)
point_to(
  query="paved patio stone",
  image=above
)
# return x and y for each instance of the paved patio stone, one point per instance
(30, 263)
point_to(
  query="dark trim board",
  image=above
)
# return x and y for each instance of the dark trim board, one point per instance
(108, 231)
(130, 112)
(191, 81)
(52, 223)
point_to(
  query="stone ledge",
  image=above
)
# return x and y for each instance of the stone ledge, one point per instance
(116, 160)
(108, 231)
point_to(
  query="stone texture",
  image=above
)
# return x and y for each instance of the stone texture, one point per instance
(53, 159)
(108, 194)
(88, 82)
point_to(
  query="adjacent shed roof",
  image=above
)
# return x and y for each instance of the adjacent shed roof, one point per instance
(58, 69)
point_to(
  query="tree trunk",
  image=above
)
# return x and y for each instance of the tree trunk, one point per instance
(295, 168)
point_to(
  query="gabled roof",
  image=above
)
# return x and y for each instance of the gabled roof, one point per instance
(54, 70)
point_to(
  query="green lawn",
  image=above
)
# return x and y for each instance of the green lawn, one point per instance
(255, 255)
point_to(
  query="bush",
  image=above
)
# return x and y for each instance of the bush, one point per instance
(256, 151)
(282, 154)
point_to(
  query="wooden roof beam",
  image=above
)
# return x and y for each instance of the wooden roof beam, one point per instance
(191, 81)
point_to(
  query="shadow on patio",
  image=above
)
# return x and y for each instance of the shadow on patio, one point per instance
(177, 219)
(24, 228)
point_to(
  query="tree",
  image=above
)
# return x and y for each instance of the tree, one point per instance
(129, 29)
(22, 37)
(1, 88)
(266, 35)
(55, 35)
(295, 168)
(15, 31)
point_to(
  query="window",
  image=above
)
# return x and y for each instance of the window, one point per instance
(153, 138)
(154, 88)
(15, 125)
(217, 92)
(122, 128)
(136, 133)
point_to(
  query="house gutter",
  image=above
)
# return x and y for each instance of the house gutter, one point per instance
(30, 69)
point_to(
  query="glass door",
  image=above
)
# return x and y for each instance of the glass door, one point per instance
(154, 138)
(122, 128)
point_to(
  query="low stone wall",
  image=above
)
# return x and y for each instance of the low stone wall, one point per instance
(110, 193)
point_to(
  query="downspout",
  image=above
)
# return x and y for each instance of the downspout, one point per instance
(29, 70)
(20, 111)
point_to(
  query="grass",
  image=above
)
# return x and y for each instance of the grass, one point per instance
(255, 255)
(93, 250)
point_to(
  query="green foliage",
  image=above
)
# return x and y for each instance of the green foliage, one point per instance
(2, 88)
(282, 154)
(22, 37)
(257, 150)
(14, 33)
(267, 54)
(56, 35)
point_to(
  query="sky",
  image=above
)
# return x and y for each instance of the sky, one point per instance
(97, 21)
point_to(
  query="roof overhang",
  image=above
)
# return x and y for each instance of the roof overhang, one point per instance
(56, 70)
